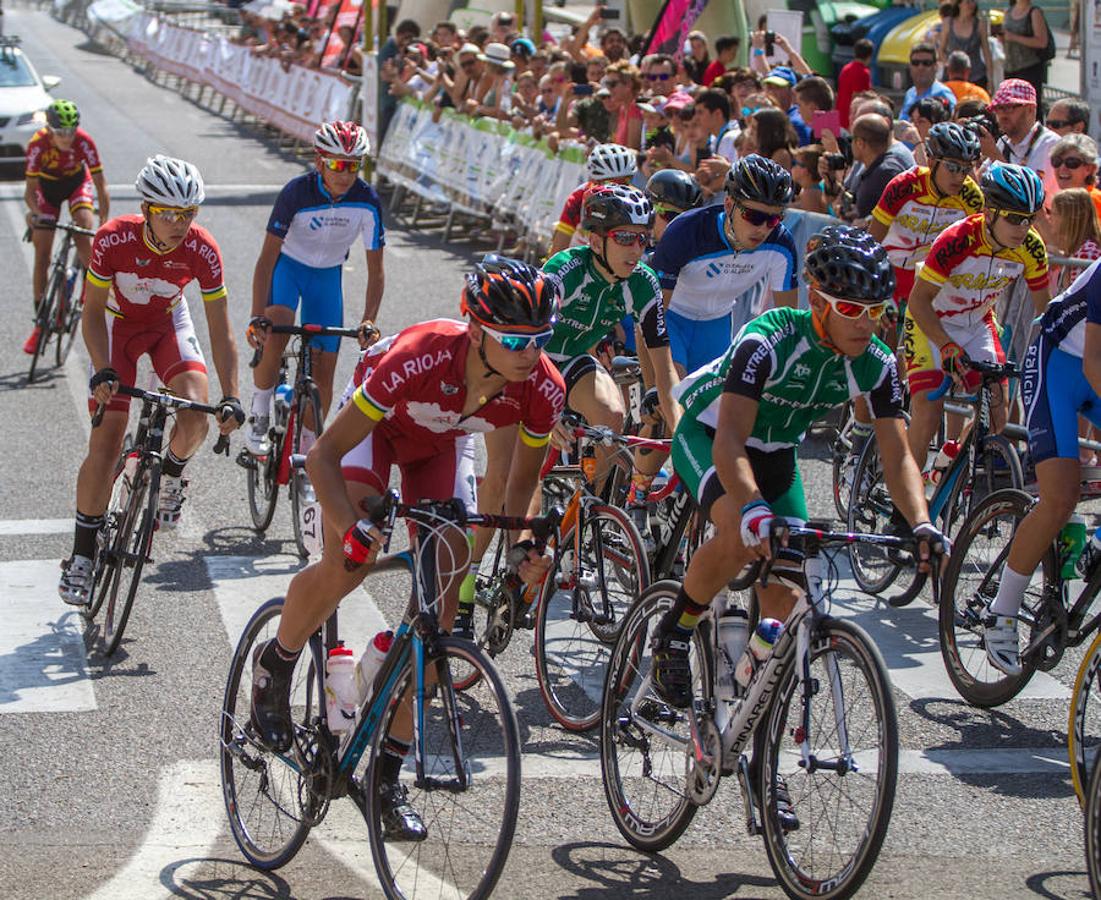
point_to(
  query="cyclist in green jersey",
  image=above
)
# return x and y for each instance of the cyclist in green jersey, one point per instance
(745, 415)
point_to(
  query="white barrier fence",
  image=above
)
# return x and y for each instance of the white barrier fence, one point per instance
(293, 99)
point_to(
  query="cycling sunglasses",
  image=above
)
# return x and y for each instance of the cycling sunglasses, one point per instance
(342, 165)
(64, 132)
(850, 309)
(518, 343)
(755, 217)
(955, 168)
(1015, 218)
(660, 76)
(1071, 162)
(174, 213)
(630, 238)
(668, 213)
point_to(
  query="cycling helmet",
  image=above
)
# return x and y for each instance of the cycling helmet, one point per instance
(62, 114)
(507, 293)
(675, 188)
(170, 182)
(849, 264)
(761, 180)
(1011, 187)
(341, 139)
(609, 206)
(611, 161)
(950, 140)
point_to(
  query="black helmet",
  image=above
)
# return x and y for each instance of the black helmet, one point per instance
(761, 180)
(675, 188)
(1012, 187)
(950, 140)
(507, 293)
(849, 264)
(608, 206)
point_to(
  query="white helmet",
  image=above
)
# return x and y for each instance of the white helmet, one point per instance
(341, 139)
(170, 182)
(612, 161)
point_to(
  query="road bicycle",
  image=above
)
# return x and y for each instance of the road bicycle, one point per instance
(986, 462)
(1084, 720)
(464, 777)
(59, 312)
(1093, 829)
(267, 473)
(598, 568)
(124, 542)
(819, 710)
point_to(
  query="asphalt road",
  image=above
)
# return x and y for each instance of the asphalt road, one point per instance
(108, 773)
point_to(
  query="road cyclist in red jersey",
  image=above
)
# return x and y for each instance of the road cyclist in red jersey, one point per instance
(134, 305)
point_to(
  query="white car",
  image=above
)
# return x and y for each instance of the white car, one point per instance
(24, 96)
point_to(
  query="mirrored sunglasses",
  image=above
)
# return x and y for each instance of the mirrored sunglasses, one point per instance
(64, 132)
(1016, 218)
(630, 238)
(668, 213)
(756, 217)
(851, 309)
(955, 168)
(518, 343)
(342, 165)
(174, 213)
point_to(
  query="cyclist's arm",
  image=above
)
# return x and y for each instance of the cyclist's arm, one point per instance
(349, 428)
(659, 360)
(93, 325)
(737, 415)
(1091, 357)
(30, 195)
(1040, 299)
(522, 496)
(376, 283)
(920, 305)
(560, 240)
(786, 298)
(262, 274)
(223, 346)
(877, 229)
(103, 196)
(900, 471)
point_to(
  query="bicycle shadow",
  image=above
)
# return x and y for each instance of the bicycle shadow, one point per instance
(644, 875)
(50, 660)
(229, 878)
(44, 378)
(101, 666)
(1038, 884)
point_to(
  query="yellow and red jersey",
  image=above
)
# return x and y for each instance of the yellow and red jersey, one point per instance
(46, 160)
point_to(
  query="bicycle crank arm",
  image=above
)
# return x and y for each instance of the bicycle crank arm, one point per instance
(752, 826)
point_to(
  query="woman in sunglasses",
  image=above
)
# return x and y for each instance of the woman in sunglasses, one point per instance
(416, 401)
(1074, 161)
(62, 166)
(950, 313)
(316, 220)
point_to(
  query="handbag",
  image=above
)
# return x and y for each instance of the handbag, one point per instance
(1047, 53)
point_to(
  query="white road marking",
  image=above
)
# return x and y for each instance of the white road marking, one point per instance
(186, 823)
(42, 662)
(34, 526)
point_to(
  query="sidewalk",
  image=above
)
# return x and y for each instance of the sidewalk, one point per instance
(1064, 74)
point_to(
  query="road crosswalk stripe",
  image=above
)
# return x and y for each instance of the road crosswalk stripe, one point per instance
(9, 527)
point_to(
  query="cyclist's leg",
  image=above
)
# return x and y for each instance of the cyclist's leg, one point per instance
(710, 339)
(679, 329)
(924, 373)
(43, 241)
(984, 345)
(281, 309)
(81, 212)
(594, 395)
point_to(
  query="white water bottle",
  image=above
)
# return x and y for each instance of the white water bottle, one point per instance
(760, 646)
(370, 662)
(309, 516)
(733, 633)
(340, 689)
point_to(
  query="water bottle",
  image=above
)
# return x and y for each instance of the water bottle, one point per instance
(309, 516)
(733, 632)
(284, 395)
(1072, 541)
(948, 452)
(70, 282)
(340, 689)
(764, 636)
(1090, 555)
(370, 662)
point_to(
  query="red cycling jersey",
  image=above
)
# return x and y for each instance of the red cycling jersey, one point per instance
(570, 219)
(148, 284)
(414, 385)
(46, 160)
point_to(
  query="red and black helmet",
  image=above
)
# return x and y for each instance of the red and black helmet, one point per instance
(509, 294)
(341, 139)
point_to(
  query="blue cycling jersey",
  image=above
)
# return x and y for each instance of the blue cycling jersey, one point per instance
(317, 230)
(706, 274)
(1064, 321)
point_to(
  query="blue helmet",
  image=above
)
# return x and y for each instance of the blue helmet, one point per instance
(1012, 188)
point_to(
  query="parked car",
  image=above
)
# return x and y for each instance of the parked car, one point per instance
(24, 96)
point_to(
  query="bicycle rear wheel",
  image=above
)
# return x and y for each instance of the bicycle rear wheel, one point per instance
(309, 403)
(646, 779)
(468, 795)
(997, 466)
(581, 610)
(970, 585)
(132, 545)
(1093, 829)
(1084, 720)
(270, 804)
(70, 310)
(844, 805)
(870, 512)
(263, 489)
(44, 322)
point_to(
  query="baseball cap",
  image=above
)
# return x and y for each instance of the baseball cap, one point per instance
(781, 76)
(1013, 92)
(677, 100)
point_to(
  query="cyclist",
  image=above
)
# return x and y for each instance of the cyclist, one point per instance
(1060, 382)
(424, 395)
(312, 227)
(607, 164)
(709, 257)
(134, 305)
(62, 166)
(745, 415)
(950, 314)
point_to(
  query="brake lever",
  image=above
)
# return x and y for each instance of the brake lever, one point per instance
(222, 444)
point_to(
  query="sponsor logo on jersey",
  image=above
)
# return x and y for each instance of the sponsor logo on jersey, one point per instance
(448, 389)
(142, 262)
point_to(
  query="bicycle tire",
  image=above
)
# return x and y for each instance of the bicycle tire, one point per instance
(69, 319)
(571, 655)
(487, 605)
(263, 489)
(1092, 828)
(870, 508)
(1084, 720)
(481, 813)
(43, 320)
(105, 539)
(309, 398)
(135, 541)
(999, 467)
(641, 824)
(243, 760)
(786, 852)
(840, 448)
(968, 587)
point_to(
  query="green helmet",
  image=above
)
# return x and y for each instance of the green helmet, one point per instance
(62, 114)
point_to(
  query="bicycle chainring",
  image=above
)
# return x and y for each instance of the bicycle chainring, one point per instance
(316, 779)
(499, 620)
(1047, 654)
(703, 781)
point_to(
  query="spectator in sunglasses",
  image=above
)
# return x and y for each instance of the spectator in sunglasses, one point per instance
(659, 74)
(1069, 116)
(1074, 162)
(923, 74)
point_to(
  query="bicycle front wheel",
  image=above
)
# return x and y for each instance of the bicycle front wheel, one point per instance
(844, 800)
(1084, 721)
(468, 792)
(309, 404)
(1093, 829)
(267, 796)
(44, 322)
(263, 489)
(69, 312)
(582, 607)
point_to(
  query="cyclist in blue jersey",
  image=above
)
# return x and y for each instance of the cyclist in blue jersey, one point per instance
(1060, 382)
(315, 221)
(709, 257)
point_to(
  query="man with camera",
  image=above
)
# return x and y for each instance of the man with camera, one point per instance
(1023, 141)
